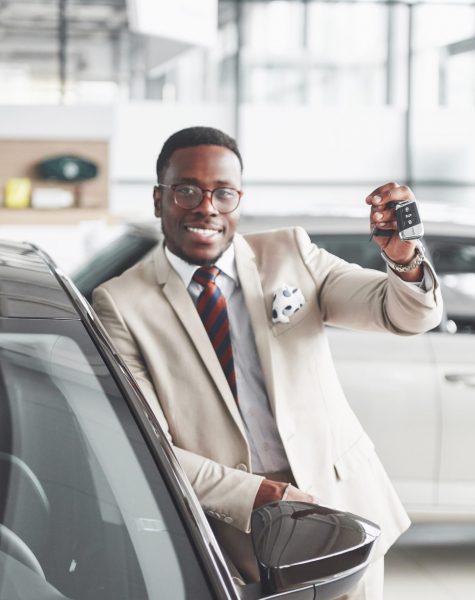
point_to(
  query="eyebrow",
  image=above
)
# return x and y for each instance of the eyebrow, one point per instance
(193, 180)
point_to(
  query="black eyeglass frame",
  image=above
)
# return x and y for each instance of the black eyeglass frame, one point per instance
(173, 187)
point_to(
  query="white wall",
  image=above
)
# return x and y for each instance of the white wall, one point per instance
(322, 144)
(300, 159)
(443, 145)
(56, 122)
(296, 159)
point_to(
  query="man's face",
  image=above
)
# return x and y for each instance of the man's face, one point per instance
(202, 234)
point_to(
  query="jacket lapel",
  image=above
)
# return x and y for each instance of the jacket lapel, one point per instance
(182, 304)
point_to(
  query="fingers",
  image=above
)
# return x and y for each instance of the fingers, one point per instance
(383, 217)
(380, 217)
(296, 494)
(382, 201)
(389, 192)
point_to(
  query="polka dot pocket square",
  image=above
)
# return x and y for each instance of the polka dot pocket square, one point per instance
(287, 301)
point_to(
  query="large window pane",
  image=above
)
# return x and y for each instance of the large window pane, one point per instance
(274, 28)
(311, 52)
(348, 61)
(443, 55)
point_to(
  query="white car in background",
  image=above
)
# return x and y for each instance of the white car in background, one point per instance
(415, 395)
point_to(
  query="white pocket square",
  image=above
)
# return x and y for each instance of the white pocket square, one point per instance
(287, 301)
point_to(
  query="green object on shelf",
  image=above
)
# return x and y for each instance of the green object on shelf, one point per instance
(67, 168)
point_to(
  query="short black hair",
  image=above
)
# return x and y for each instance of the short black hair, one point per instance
(194, 136)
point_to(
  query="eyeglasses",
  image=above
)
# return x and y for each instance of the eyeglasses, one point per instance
(187, 196)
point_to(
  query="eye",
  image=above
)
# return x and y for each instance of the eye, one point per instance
(187, 190)
(225, 193)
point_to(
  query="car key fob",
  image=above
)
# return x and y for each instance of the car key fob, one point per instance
(409, 222)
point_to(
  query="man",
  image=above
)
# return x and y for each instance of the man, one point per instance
(252, 404)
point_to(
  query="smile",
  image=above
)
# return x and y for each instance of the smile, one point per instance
(203, 232)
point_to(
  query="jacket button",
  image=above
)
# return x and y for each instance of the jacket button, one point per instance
(228, 519)
(241, 467)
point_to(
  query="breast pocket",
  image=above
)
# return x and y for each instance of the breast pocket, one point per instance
(295, 319)
(349, 462)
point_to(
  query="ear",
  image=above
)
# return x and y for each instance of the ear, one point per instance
(156, 200)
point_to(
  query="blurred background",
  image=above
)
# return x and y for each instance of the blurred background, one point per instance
(327, 100)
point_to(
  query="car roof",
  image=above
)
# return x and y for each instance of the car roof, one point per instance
(334, 224)
(314, 224)
(30, 285)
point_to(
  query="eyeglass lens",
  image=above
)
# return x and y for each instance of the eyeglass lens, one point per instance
(190, 196)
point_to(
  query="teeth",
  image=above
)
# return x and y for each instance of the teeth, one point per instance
(205, 232)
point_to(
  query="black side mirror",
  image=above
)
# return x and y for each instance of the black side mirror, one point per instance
(298, 544)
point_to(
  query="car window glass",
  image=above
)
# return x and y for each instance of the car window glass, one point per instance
(82, 502)
(354, 248)
(454, 262)
(453, 256)
(111, 261)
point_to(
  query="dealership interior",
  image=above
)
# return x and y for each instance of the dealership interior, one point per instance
(327, 99)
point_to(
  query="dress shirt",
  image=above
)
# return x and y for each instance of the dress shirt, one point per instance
(267, 451)
(426, 284)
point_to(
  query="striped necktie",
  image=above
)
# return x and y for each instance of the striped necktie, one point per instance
(212, 309)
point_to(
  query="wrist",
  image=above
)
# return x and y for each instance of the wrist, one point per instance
(269, 491)
(414, 263)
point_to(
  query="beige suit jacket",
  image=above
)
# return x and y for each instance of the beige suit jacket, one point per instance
(155, 327)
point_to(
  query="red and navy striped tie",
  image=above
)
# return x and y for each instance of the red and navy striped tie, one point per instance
(212, 309)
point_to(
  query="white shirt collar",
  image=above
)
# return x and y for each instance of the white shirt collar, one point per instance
(226, 263)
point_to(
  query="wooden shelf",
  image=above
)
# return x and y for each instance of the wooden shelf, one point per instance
(64, 216)
(21, 157)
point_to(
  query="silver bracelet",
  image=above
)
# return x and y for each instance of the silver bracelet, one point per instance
(286, 492)
(416, 261)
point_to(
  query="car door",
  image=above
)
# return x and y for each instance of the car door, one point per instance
(391, 383)
(454, 260)
(90, 514)
(453, 257)
(455, 364)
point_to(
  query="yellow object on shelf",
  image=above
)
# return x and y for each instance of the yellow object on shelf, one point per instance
(17, 192)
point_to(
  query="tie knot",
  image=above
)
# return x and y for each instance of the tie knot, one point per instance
(205, 275)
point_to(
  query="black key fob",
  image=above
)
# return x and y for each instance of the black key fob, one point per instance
(409, 222)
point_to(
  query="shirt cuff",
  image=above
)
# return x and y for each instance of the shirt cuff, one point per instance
(426, 284)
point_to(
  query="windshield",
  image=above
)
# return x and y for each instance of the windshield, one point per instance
(84, 512)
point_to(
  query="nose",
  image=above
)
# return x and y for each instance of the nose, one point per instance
(206, 204)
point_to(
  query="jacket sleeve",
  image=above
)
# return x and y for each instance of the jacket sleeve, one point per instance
(224, 493)
(365, 299)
